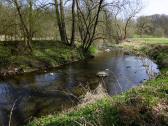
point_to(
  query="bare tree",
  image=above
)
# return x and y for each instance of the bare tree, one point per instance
(143, 25)
(122, 12)
(59, 9)
(73, 23)
(130, 10)
(27, 29)
(88, 12)
(116, 8)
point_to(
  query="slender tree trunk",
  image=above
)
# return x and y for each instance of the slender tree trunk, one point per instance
(95, 26)
(58, 18)
(88, 24)
(30, 36)
(73, 24)
(59, 9)
(65, 38)
(126, 26)
(119, 33)
(23, 24)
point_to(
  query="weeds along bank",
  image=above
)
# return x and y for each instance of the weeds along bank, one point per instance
(146, 105)
(45, 55)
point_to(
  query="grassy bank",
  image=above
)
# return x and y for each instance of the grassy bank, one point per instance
(46, 54)
(153, 41)
(154, 48)
(146, 105)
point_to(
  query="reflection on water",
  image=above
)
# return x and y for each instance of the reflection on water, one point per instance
(37, 93)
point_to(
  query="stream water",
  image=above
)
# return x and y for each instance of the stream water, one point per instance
(31, 95)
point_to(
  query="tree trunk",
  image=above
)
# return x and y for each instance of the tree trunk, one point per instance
(28, 44)
(63, 22)
(59, 9)
(23, 25)
(125, 28)
(73, 24)
(30, 33)
(58, 18)
(90, 41)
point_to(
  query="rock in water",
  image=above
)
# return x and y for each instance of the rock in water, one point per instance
(107, 50)
(52, 74)
(102, 74)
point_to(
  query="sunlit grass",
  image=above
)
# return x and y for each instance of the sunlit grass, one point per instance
(151, 40)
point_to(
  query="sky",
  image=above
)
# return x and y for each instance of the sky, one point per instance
(150, 7)
(154, 7)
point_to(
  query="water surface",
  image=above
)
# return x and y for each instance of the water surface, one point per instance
(39, 93)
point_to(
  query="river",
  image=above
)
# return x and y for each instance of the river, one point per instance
(23, 97)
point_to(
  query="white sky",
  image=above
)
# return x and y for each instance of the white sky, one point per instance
(155, 7)
(151, 7)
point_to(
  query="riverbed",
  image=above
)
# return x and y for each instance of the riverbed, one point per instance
(24, 97)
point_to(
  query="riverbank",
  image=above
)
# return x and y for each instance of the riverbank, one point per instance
(143, 105)
(45, 55)
(158, 50)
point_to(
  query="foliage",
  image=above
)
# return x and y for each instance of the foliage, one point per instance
(93, 50)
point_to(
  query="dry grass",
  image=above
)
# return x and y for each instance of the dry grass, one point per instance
(93, 96)
(136, 45)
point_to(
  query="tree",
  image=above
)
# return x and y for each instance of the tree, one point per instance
(131, 9)
(88, 12)
(27, 28)
(143, 26)
(60, 17)
(153, 25)
(117, 10)
(72, 43)
(123, 12)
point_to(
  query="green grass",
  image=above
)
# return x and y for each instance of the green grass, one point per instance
(45, 54)
(151, 40)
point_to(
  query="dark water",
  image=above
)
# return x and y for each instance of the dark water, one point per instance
(37, 94)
